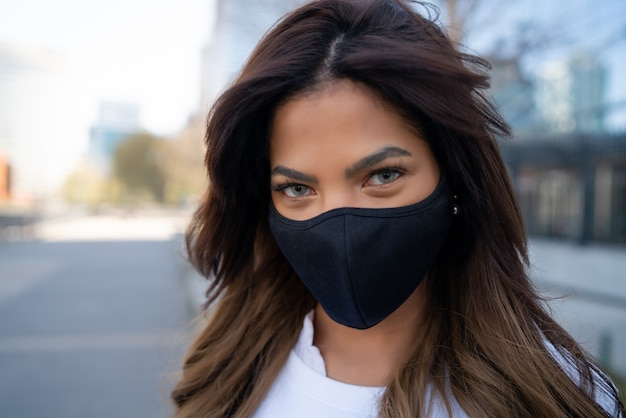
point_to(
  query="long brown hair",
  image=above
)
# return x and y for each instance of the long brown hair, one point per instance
(489, 344)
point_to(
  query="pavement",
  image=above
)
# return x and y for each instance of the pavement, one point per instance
(94, 321)
(95, 312)
(587, 285)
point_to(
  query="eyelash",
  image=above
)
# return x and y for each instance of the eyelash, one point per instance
(280, 188)
(394, 170)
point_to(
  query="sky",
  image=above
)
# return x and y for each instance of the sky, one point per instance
(142, 51)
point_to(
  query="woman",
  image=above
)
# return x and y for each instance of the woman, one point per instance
(368, 255)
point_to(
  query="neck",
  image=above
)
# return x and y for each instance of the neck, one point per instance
(369, 357)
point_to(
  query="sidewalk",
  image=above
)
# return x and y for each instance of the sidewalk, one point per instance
(589, 287)
(145, 226)
(592, 269)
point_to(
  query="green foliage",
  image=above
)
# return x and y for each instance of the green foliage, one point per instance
(170, 171)
(184, 166)
(86, 185)
(145, 169)
(139, 165)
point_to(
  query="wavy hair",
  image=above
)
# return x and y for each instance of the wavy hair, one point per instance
(489, 343)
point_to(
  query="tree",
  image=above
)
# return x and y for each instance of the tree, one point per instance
(87, 186)
(184, 165)
(138, 163)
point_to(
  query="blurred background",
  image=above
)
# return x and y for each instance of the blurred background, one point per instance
(102, 106)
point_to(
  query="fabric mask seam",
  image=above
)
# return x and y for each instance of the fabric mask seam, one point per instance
(345, 248)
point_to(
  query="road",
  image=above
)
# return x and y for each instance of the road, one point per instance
(92, 325)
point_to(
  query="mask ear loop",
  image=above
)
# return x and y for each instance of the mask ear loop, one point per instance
(456, 208)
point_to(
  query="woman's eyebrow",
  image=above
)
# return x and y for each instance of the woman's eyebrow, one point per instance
(375, 158)
(294, 174)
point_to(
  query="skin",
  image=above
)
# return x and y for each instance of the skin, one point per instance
(341, 146)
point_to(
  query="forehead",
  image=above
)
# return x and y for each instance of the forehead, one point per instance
(335, 115)
(343, 95)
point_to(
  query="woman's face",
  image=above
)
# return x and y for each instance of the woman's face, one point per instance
(342, 147)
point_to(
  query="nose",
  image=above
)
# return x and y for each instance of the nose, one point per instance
(338, 199)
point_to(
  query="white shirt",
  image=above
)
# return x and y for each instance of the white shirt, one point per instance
(303, 390)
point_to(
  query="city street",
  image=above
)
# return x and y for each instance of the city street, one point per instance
(92, 325)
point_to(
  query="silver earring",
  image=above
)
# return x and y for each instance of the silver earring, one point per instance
(456, 209)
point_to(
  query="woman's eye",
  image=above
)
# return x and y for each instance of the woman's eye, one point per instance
(296, 190)
(383, 177)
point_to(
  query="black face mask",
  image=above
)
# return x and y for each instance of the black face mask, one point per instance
(362, 264)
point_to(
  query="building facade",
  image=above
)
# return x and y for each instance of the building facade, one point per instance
(238, 27)
(570, 95)
(115, 122)
(40, 134)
